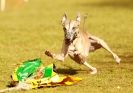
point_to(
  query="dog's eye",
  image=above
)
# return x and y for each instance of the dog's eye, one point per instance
(73, 28)
(64, 29)
(76, 34)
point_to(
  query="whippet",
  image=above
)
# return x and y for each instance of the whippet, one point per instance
(77, 44)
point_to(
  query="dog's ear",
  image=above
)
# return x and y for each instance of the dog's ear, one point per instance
(78, 17)
(64, 18)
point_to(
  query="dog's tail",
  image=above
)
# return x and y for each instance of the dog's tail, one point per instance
(84, 19)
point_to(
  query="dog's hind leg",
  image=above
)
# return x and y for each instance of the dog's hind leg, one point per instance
(97, 43)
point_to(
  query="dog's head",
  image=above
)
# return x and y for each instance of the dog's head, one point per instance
(70, 27)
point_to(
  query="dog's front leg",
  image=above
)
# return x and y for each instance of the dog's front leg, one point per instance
(61, 56)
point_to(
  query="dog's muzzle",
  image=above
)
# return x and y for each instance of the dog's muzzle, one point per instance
(69, 36)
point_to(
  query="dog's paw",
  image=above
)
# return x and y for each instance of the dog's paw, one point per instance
(117, 59)
(94, 71)
(48, 53)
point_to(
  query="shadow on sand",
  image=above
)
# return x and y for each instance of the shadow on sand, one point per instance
(69, 71)
(66, 71)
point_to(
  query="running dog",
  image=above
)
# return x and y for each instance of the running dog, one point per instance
(77, 44)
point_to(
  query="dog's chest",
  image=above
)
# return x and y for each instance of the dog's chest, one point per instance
(80, 45)
(76, 45)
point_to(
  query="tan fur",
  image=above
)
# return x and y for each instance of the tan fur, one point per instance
(79, 44)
